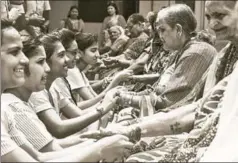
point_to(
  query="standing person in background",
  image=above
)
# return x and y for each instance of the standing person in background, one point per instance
(39, 9)
(8, 13)
(112, 18)
(73, 20)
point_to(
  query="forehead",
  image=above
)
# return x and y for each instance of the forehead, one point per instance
(74, 9)
(94, 45)
(39, 52)
(160, 16)
(130, 21)
(114, 29)
(110, 7)
(73, 45)
(58, 47)
(219, 6)
(11, 38)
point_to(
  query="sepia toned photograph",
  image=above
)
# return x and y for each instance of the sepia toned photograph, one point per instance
(119, 80)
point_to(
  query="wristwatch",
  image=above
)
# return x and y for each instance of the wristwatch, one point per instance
(100, 110)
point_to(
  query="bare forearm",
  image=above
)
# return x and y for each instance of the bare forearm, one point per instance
(70, 152)
(71, 126)
(146, 77)
(88, 103)
(97, 85)
(125, 62)
(90, 153)
(174, 122)
(71, 141)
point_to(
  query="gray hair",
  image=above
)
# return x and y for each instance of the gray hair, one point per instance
(179, 14)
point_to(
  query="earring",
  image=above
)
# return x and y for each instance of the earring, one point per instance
(179, 35)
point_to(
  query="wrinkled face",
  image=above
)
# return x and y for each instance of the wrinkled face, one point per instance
(73, 54)
(114, 33)
(134, 30)
(111, 10)
(223, 20)
(91, 54)
(13, 60)
(58, 61)
(38, 71)
(74, 13)
(167, 35)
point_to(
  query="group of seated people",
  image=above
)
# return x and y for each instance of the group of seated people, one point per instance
(158, 91)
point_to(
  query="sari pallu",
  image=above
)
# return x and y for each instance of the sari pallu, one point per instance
(222, 66)
(224, 147)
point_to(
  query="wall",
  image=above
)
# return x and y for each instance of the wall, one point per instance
(59, 11)
(92, 27)
(155, 5)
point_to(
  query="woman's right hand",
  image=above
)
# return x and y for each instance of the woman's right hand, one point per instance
(114, 148)
(123, 75)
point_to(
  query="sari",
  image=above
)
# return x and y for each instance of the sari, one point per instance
(182, 87)
(224, 147)
(175, 149)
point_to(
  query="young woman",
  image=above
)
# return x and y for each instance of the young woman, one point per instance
(204, 124)
(34, 82)
(13, 63)
(61, 90)
(112, 18)
(43, 102)
(73, 21)
(87, 44)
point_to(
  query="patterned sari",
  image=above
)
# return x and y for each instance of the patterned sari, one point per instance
(205, 127)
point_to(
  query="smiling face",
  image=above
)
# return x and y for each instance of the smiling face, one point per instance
(74, 13)
(38, 70)
(73, 54)
(111, 10)
(91, 54)
(13, 60)
(222, 18)
(58, 61)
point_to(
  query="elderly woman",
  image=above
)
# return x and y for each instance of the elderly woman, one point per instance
(202, 117)
(118, 40)
(112, 18)
(176, 26)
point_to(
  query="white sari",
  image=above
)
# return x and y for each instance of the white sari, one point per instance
(224, 147)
